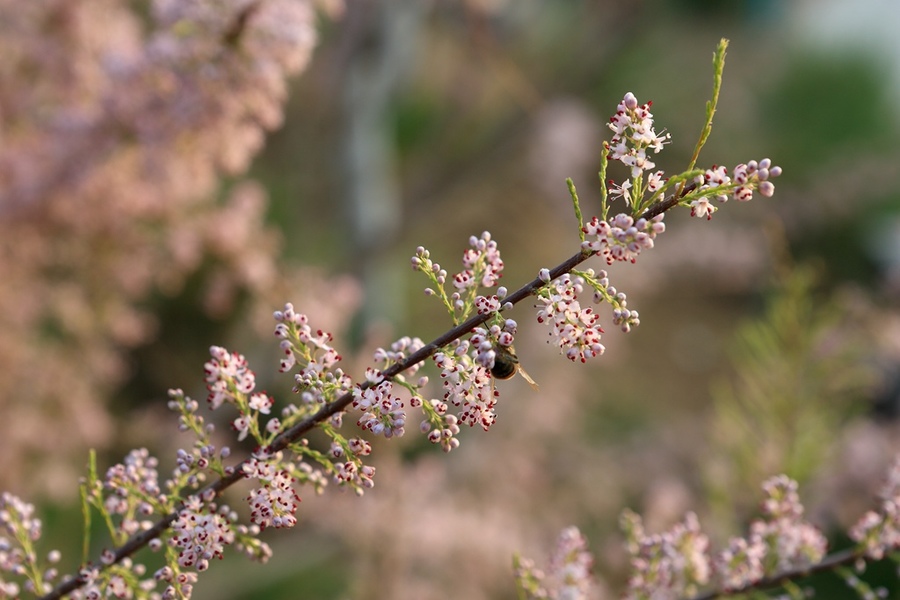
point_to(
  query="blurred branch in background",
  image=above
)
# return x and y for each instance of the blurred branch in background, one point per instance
(117, 125)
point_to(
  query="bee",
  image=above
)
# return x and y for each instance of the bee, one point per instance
(506, 364)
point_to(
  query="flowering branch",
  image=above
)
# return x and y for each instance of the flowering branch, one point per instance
(832, 562)
(296, 432)
(200, 529)
(780, 549)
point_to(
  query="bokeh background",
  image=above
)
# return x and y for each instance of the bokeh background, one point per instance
(770, 337)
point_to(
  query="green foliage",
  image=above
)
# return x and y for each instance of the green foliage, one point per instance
(718, 68)
(824, 106)
(800, 374)
(416, 120)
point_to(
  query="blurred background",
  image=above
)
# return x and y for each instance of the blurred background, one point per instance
(769, 338)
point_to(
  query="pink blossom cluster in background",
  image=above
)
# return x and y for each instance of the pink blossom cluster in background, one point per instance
(115, 128)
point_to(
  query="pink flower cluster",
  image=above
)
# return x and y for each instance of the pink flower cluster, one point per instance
(318, 378)
(99, 585)
(422, 262)
(399, 351)
(227, 374)
(201, 533)
(118, 121)
(445, 435)
(297, 337)
(676, 563)
(487, 304)
(467, 384)
(667, 565)
(229, 379)
(200, 458)
(483, 341)
(744, 180)
(383, 414)
(575, 330)
(482, 264)
(482, 267)
(134, 481)
(779, 542)
(633, 135)
(570, 564)
(273, 504)
(623, 316)
(16, 519)
(621, 238)
(181, 585)
(569, 572)
(359, 477)
(878, 532)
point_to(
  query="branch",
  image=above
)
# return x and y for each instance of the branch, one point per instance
(667, 203)
(293, 434)
(829, 563)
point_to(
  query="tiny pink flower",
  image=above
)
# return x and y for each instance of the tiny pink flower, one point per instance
(261, 402)
(702, 208)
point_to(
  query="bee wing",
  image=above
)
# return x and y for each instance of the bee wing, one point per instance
(527, 378)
